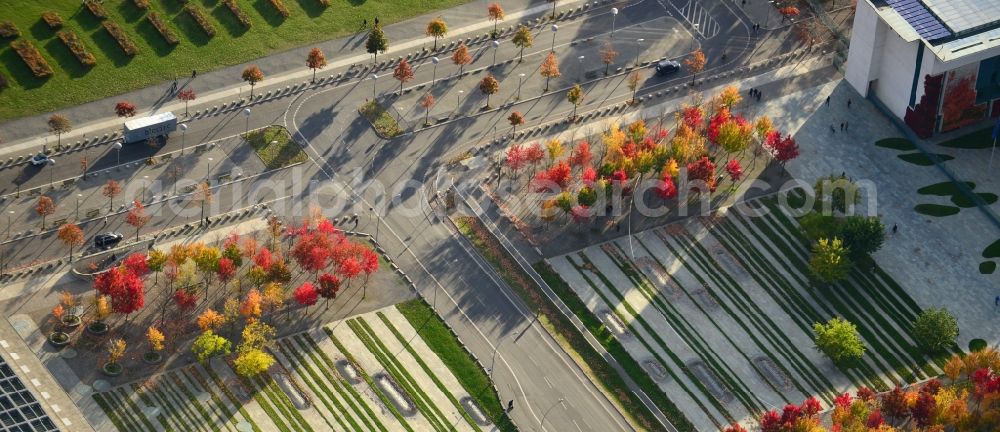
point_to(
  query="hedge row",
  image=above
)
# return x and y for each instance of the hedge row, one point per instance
(324, 3)
(32, 58)
(161, 26)
(9, 30)
(141, 4)
(241, 16)
(199, 16)
(95, 7)
(76, 45)
(280, 6)
(123, 40)
(52, 19)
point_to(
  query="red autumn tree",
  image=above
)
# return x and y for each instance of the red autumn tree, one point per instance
(734, 169)
(534, 154)
(369, 263)
(45, 207)
(515, 158)
(693, 117)
(226, 270)
(894, 403)
(588, 176)
(306, 294)
(666, 189)
(349, 268)
(124, 288)
(184, 299)
(735, 427)
(515, 119)
(124, 109)
(559, 174)
(329, 285)
(702, 172)
(461, 57)
(715, 124)
(263, 258)
(770, 422)
(403, 73)
(137, 263)
(782, 149)
(315, 60)
(811, 407)
(111, 190)
(789, 11)
(137, 217)
(187, 95)
(581, 155)
(923, 409)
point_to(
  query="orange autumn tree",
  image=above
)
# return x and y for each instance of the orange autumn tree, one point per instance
(211, 320)
(251, 306)
(315, 60)
(695, 63)
(461, 57)
(71, 235)
(550, 69)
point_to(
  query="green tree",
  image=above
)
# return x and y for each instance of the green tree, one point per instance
(935, 329)
(839, 340)
(208, 344)
(252, 362)
(829, 261)
(816, 225)
(863, 235)
(376, 42)
(837, 193)
(522, 39)
(587, 196)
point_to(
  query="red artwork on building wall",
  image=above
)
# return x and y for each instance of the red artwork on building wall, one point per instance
(959, 107)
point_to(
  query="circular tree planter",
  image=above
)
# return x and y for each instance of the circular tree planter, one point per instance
(71, 322)
(112, 369)
(152, 357)
(59, 339)
(97, 328)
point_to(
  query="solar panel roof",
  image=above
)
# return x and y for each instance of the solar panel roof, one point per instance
(965, 15)
(921, 19)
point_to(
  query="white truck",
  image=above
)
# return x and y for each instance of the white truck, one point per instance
(142, 129)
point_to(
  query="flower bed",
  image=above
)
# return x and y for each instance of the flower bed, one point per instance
(123, 40)
(95, 7)
(76, 45)
(9, 30)
(199, 16)
(157, 21)
(52, 19)
(32, 58)
(280, 6)
(141, 4)
(241, 16)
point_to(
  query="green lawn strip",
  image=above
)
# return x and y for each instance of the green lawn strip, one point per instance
(197, 381)
(275, 147)
(261, 388)
(562, 329)
(194, 419)
(722, 280)
(614, 347)
(166, 405)
(111, 412)
(692, 338)
(344, 389)
(192, 400)
(790, 300)
(887, 306)
(385, 124)
(880, 342)
(280, 399)
(399, 374)
(137, 412)
(318, 388)
(122, 410)
(680, 365)
(760, 320)
(262, 400)
(232, 398)
(439, 339)
(146, 400)
(427, 370)
(368, 379)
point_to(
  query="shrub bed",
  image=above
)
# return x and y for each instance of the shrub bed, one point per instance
(385, 125)
(9, 30)
(200, 17)
(32, 58)
(141, 4)
(95, 7)
(157, 21)
(124, 41)
(280, 6)
(241, 16)
(76, 45)
(324, 3)
(52, 19)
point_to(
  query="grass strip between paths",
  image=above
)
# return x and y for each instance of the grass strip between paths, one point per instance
(315, 385)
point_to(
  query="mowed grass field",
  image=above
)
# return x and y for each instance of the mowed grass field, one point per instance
(157, 61)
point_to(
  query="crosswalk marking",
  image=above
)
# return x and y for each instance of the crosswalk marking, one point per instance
(695, 14)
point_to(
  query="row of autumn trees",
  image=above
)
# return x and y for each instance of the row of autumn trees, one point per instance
(253, 277)
(703, 134)
(969, 401)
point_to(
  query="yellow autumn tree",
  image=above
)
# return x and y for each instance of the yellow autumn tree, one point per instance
(102, 308)
(155, 338)
(554, 148)
(729, 97)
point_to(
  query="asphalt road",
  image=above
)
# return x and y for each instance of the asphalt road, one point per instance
(549, 390)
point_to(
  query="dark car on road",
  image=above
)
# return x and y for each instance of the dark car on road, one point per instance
(107, 240)
(667, 67)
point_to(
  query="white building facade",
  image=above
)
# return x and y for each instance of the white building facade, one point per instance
(934, 63)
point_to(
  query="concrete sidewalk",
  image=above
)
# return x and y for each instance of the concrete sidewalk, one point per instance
(29, 134)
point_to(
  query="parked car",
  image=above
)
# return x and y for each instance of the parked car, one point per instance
(40, 159)
(108, 240)
(667, 67)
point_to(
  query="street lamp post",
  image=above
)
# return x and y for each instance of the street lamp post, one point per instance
(614, 14)
(555, 28)
(78, 196)
(695, 39)
(208, 172)
(638, 42)
(145, 184)
(767, 21)
(374, 80)
(184, 129)
(580, 74)
(118, 146)
(496, 46)
(458, 99)
(51, 171)
(377, 222)
(434, 60)
(520, 80)
(246, 113)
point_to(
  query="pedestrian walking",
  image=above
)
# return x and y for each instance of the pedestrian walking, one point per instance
(895, 228)
(848, 103)
(996, 301)
(758, 95)
(847, 125)
(105, 220)
(364, 24)
(828, 101)
(510, 405)
(841, 126)
(376, 23)
(194, 73)
(744, 3)
(832, 130)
